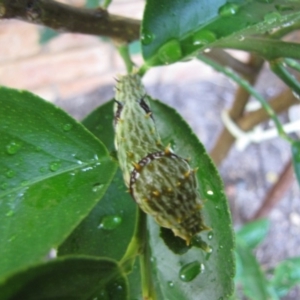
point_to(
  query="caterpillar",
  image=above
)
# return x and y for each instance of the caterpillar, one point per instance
(162, 183)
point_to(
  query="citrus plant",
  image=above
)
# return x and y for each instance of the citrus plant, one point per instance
(69, 228)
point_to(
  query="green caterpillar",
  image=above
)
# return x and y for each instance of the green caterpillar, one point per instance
(162, 183)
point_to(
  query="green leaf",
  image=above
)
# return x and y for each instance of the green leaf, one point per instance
(253, 233)
(219, 265)
(68, 278)
(251, 276)
(286, 275)
(173, 30)
(296, 159)
(214, 271)
(110, 223)
(113, 219)
(53, 172)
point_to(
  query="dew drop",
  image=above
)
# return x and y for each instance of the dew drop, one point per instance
(54, 166)
(199, 243)
(9, 213)
(209, 193)
(170, 52)
(210, 235)
(11, 238)
(4, 186)
(171, 284)
(147, 37)
(97, 187)
(43, 169)
(228, 9)
(67, 127)
(272, 17)
(13, 148)
(203, 37)
(189, 271)
(110, 222)
(10, 174)
(24, 182)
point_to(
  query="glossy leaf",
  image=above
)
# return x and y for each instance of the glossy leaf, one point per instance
(251, 276)
(91, 237)
(73, 278)
(53, 172)
(296, 159)
(173, 30)
(213, 271)
(286, 275)
(253, 233)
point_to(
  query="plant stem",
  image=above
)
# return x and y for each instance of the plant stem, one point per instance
(148, 288)
(136, 245)
(66, 18)
(292, 64)
(124, 52)
(270, 48)
(225, 140)
(240, 81)
(278, 68)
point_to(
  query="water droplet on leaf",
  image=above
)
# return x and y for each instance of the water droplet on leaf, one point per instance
(170, 52)
(54, 166)
(228, 9)
(4, 186)
(9, 213)
(43, 169)
(210, 235)
(110, 222)
(272, 17)
(203, 37)
(189, 271)
(199, 243)
(67, 127)
(13, 148)
(97, 187)
(10, 173)
(147, 37)
(171, 284)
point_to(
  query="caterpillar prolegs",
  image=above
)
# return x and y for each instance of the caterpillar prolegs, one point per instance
(162, 183)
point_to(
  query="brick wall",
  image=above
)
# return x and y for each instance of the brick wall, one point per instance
(68, 65)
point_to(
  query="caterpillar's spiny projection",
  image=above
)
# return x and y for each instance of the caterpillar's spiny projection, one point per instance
(162, 183)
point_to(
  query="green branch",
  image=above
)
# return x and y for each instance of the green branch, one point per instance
(136, 245)
(268, 48)
(245, 84)
(279, 69)
(124, 52)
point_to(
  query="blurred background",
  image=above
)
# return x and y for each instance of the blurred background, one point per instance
(76, 72)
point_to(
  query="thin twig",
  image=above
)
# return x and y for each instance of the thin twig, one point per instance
(276, 193)
(66, 18)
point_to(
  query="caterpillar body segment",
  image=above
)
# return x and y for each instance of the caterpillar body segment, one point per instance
(162, 183)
